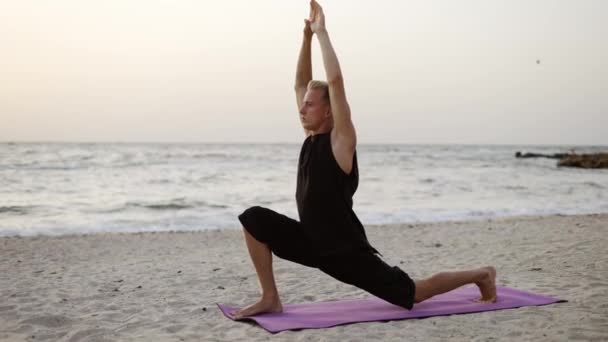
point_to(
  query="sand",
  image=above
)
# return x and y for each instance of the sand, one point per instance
(164, 286)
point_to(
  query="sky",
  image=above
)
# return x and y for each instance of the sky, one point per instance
(416, 72)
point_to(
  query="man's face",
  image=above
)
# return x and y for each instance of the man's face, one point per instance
(314, 110)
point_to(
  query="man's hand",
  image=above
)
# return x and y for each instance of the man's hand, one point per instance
(317, 18)
(307, 31)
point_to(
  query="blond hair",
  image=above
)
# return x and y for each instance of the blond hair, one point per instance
(320, 85)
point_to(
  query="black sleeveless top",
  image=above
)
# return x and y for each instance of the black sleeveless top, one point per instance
(324, 195)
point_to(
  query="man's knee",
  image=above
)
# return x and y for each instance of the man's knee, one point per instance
(251, 219)
(251, 216)
(253, 211)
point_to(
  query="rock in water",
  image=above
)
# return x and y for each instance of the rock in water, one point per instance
(587, 161)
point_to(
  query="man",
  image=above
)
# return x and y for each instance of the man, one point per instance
(329, 235)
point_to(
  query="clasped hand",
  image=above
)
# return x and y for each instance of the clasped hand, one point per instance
(316, 19)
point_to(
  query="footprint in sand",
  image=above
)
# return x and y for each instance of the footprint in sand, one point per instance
(89, 334)
(175, 328)
(49, 321)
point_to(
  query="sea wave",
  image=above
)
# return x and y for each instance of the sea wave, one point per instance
(16, 209)
(170, 205)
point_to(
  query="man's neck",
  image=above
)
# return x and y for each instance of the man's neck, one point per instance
(322, 130)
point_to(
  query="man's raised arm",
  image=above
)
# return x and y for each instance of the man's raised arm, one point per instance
(304, 68)
(344, 130)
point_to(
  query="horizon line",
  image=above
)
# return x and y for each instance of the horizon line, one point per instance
(9, 142)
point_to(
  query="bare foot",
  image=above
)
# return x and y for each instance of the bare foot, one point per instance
(487, 286)
(262, 306)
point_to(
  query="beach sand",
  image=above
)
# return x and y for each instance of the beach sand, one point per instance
(165, 286)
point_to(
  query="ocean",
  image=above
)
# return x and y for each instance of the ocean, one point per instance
(81, 188)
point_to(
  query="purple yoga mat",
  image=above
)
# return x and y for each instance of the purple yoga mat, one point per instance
(329, 314)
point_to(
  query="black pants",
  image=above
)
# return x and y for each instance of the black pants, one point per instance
(286, 238)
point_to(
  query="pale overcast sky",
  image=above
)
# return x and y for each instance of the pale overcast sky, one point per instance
(426, 71)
